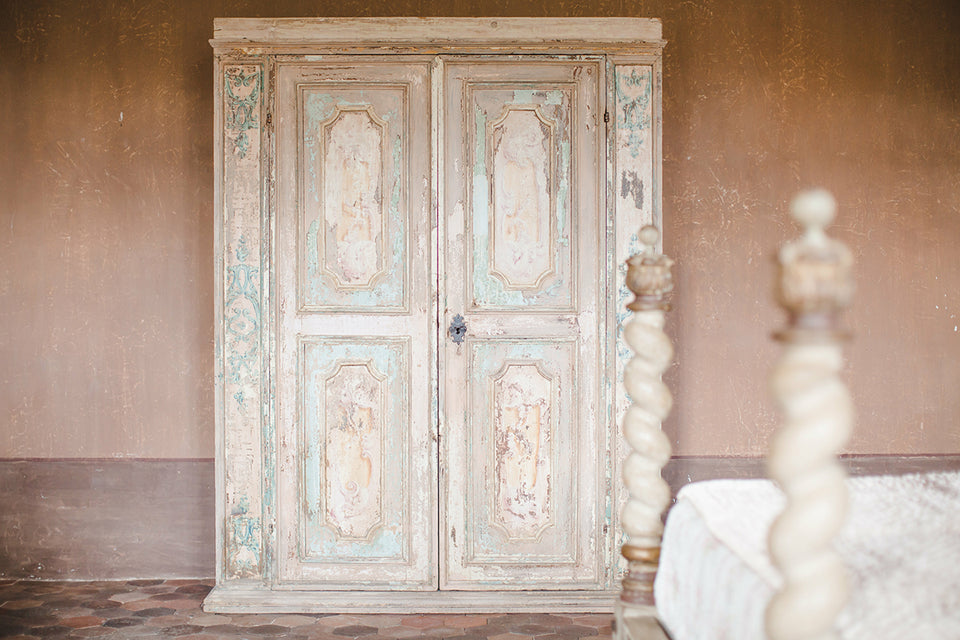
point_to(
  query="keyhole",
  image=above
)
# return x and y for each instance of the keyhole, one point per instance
(458, 329)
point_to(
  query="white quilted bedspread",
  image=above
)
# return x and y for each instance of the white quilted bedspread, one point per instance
(901, 545)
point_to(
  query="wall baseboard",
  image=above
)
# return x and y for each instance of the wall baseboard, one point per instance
(110, 519)
(106, 519)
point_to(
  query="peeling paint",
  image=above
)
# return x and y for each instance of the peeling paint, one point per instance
(522, 427)
(524, 424)
(550, 286)
(239, 404)
(354, 476)
(241, 86)
(631, 186)
(354, 425)
(354, 246)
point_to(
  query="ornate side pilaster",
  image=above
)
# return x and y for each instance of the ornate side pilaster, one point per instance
(649, 278)
(240, 349)
(633, 193)
(815, 285)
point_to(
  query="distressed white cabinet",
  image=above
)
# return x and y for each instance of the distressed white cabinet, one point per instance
(419, 227)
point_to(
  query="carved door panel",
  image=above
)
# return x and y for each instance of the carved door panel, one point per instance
(522, 433)
(356, 485)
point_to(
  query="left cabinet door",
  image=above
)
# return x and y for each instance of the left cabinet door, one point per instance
(356, 452)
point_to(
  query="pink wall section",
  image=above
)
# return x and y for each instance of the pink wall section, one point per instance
(106, 211)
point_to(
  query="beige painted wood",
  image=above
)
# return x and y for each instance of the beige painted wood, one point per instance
(248, 599)
(524, 439)
(356, 490)
(509, 32)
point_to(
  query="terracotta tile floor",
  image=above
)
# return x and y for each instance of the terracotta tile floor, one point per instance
(171, 609)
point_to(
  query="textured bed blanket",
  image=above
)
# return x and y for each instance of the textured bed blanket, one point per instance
(901, 545)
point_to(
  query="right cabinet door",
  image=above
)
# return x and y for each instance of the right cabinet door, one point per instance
(522, 435)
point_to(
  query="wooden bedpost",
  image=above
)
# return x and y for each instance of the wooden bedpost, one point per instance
(649, 278)
(815, 285)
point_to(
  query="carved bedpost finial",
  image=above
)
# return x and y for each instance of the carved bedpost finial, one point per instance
(816, 281)
(815, 285)
(649, 278)
(648, 274)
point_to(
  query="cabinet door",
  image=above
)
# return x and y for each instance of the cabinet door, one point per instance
(356, 486)
(522, 435)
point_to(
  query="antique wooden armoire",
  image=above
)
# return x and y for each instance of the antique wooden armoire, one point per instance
(420, 224)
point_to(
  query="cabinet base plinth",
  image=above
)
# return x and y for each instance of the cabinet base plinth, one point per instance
(253, 599)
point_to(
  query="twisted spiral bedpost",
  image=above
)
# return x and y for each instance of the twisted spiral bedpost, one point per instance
(649, 278)
(815, 285)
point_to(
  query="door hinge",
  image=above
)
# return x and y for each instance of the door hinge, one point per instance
(606, 116)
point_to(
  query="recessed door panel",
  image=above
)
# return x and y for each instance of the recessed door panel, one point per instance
(356, 486)
(520, 434)
(354, 426)
(521, 239)
(519, 142)
(353, 229)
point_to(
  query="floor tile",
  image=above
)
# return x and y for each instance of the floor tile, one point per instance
(14, 605)
(464, 621)
(158, 609)
(82, 621)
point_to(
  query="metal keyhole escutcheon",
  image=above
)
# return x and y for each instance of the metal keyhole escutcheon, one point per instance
(458, 329)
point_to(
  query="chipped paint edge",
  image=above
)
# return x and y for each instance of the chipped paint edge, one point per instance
(627, 221)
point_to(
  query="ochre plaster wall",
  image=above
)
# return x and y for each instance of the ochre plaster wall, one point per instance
(106, 211)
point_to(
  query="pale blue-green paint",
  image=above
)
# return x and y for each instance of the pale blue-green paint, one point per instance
(240, 115)
(389, 290)
(537, 96)
(633, 101)
(240, 354)
(320, 358)
(323, 544)
(488, 357)
(313, 259)
(241, 316)
(488, 290)
(244, 533)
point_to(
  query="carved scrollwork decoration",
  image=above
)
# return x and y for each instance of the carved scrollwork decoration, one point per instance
(242, 89)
